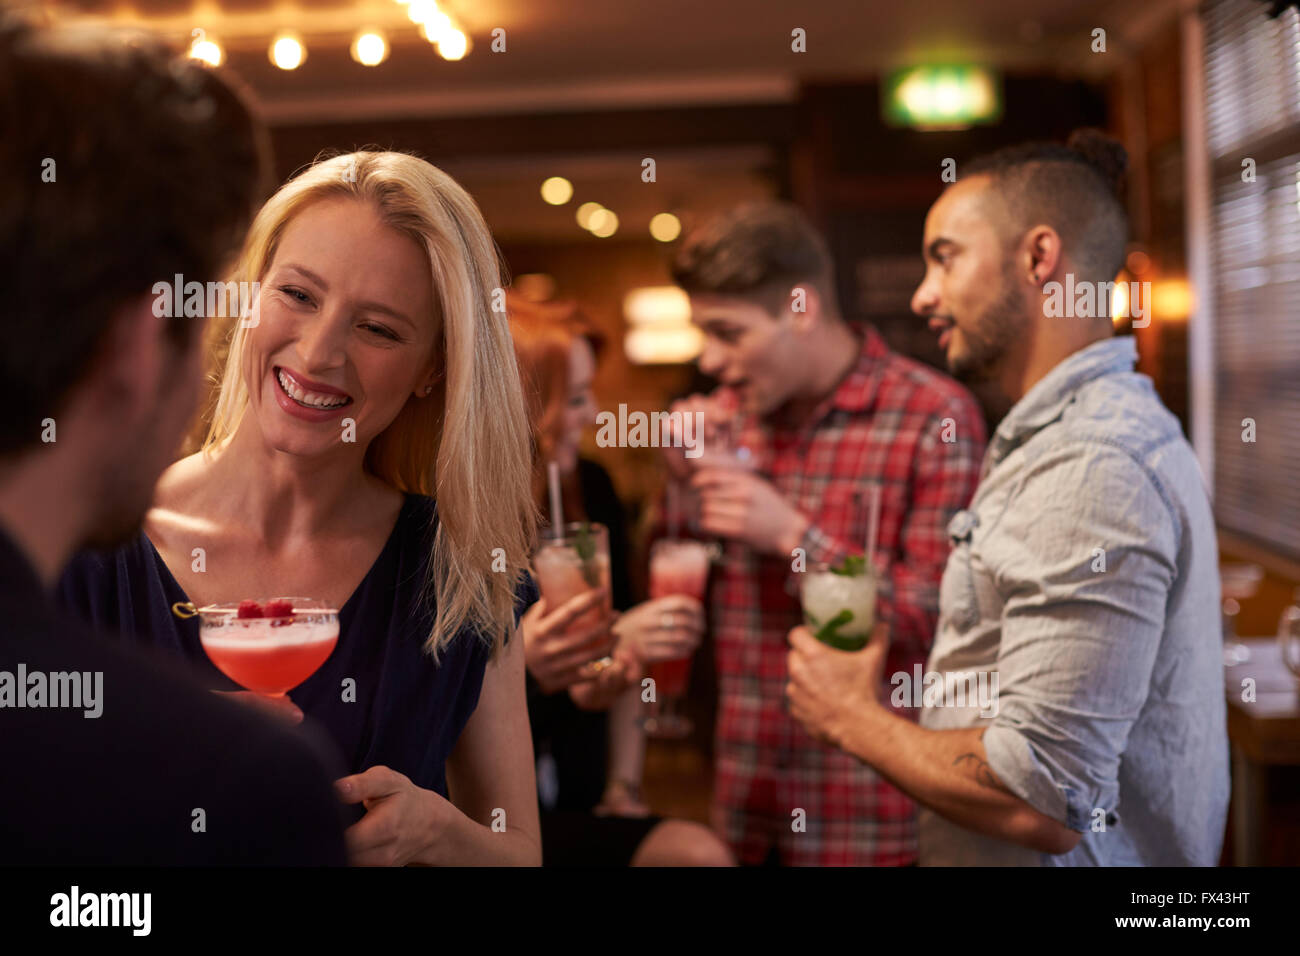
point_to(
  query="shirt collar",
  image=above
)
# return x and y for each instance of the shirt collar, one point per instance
(857, 390)
(1047, 399)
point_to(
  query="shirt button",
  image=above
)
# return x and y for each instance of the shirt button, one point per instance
(962, 524)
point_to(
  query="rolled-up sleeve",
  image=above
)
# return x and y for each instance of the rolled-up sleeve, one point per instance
(1084, 558)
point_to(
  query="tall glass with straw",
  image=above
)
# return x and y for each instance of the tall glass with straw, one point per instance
(839, 601)
(572, 559)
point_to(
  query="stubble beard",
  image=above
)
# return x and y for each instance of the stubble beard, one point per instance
(991, 336)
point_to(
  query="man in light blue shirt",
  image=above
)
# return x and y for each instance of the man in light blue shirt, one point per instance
(1082, 588)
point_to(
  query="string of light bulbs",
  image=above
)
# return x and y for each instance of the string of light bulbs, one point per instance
(370, 46)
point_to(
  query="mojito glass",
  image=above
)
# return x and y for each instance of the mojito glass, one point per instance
(839, 602)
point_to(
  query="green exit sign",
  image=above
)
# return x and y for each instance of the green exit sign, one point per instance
(942, 97)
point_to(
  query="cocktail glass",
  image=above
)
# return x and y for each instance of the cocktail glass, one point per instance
(269, 655)
(571, 561)
(839, 602)
(676, 567)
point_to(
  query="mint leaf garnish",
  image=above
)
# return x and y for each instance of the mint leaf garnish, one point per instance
(829, 631)
(852, 566)
(584, 543)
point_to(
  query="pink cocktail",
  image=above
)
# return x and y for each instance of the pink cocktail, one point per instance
(273, 650)
(573, 563)
(676, 567)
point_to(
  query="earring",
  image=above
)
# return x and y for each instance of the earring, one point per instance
(428, 389)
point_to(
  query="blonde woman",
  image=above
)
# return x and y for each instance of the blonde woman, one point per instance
(369, 447)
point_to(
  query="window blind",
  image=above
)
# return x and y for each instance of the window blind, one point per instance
(1252, 88)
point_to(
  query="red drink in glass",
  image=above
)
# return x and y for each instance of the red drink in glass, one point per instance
(269, 655)
(676, 567)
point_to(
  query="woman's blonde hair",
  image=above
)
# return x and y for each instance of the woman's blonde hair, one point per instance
(466, 445)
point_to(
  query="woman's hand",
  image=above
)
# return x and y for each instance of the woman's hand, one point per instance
(600, 692)
(281, 707)
(402, 820)
(662, 629)
(555, 658)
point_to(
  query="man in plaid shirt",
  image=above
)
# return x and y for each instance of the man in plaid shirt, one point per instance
(822, 412)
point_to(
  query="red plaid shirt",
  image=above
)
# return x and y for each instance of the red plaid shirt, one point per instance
(919, 435)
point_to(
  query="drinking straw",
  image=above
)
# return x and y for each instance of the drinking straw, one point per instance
(674, 507)
(557, 511)
(873, 525)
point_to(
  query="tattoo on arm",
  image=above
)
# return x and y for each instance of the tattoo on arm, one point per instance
(980, 769)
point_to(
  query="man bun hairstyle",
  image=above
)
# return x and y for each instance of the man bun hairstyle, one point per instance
(1078, 189)
(1105, 155)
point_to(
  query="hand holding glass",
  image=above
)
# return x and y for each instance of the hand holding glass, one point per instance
(676, 567)
(572, 561)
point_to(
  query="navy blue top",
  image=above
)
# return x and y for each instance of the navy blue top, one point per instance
(406, 711)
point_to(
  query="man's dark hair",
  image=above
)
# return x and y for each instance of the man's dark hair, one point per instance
(1077, 189)
(123, 164)
(758, 251)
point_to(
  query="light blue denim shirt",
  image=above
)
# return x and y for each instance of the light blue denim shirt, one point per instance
(1085, 575)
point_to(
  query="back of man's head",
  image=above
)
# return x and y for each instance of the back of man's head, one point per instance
(757, 251)
(123, 165)
(1077, 189)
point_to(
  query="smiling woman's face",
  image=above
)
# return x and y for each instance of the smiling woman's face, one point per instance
(346, 329)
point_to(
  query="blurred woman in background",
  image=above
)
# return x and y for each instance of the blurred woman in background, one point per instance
(586, 730)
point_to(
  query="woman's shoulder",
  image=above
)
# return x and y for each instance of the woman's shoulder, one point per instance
(179, 481)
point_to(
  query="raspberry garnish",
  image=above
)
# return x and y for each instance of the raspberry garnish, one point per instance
(278, 609)
(249, 609)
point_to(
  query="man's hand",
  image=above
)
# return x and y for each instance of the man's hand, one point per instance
(740, 506)
(829, 689)
(679, 466)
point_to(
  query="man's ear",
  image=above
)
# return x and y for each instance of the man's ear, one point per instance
(805, 306)
(1040, 254)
